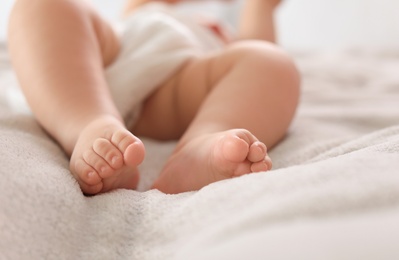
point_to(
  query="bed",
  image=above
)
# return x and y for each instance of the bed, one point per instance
(333, 192)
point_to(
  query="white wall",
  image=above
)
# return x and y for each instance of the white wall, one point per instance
(339, 23)
(308, 23)
(5, 6)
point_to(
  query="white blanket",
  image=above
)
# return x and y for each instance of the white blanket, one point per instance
(333, 194)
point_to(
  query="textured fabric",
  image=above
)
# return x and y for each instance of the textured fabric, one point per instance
(333, 193)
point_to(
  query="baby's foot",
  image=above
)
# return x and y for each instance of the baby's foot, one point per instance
(106, 157)
(210, 158)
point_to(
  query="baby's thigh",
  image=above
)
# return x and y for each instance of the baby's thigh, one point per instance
(201, 76)
(243, 64)
(194, 83)
(168, 112)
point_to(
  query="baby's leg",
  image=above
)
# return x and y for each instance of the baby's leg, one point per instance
(133, 4)
(257, 20)
(228, 106)
(59, 50)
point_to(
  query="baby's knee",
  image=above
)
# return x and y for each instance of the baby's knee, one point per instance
(266, 56)
(272, 73)
(270, 64)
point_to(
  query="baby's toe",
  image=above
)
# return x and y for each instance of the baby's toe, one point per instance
(259, 167)
(131, 147)
(91, 189)
(234, 148)
(98, 164)
(85, 174)
(268, 162)
(257, 152)
(122, 139)
(108, 152)
(134, 154)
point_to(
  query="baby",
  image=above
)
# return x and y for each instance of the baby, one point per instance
(224, 105)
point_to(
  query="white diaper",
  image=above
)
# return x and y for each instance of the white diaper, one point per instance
(156, 41)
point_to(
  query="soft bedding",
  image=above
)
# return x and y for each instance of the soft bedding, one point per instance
(333, 192)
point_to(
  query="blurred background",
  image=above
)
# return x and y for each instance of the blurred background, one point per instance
(302, 24)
